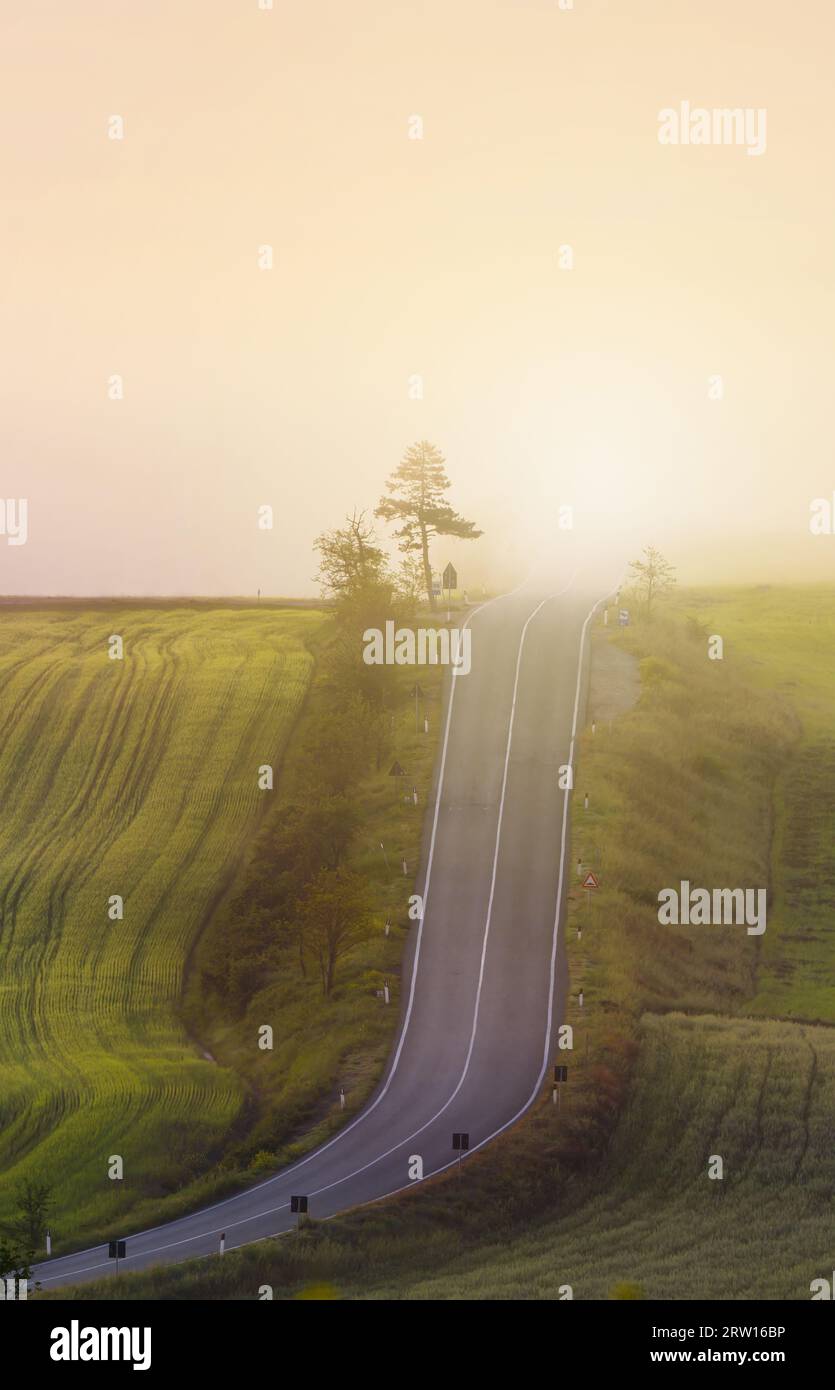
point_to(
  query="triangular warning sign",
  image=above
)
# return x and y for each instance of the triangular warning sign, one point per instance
(591, 880)
(396, 770)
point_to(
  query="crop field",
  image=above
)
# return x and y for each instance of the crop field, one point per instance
(135, 777)
(720, 774)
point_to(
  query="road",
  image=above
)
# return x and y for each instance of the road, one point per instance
(483, 979)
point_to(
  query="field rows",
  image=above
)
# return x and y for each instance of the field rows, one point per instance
(135, 777)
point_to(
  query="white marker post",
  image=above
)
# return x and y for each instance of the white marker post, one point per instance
(586, 802)
(48, 1244)
(386, 994)
(405, 869)
(342, 1097)
(560, 1077)
(426, 725)
(222, 1241)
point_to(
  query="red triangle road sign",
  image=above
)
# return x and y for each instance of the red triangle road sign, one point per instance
(591, 880)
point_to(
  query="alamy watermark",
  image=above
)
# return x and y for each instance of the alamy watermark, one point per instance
(723, 907)
(424, 646)
(81, 1343)
(14, 520)
(718, 125)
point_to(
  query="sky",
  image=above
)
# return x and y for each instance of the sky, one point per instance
(566, 287)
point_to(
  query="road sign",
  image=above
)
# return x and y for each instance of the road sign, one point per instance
(591, 880)
(436, 586)
(298, 1205)
(396, 770)
(450, 578)
(116, 1250)
(560, 1074)
(623, 617)
(461, 1141)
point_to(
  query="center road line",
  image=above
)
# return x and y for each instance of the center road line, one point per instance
(384, 1090)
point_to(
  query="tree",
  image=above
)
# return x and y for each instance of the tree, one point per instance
(350, 560)
(653, 575)
(34, 1204)
(334, 915)
(337, 749)
(16, 1262)
(410, 582)
(355, 573)
(417, 488)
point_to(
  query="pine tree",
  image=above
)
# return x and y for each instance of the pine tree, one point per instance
(417, 488)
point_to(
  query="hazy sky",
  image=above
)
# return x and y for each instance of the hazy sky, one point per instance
(394, 256)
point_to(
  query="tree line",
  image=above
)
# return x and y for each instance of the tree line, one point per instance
(301, 900)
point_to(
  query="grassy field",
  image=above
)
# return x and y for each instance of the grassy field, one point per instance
(673, 1061)
(759, 1094)
(786, 638)
(135, 777)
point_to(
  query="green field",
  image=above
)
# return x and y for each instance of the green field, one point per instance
(719, 774)
(135, 777)
(786, 639)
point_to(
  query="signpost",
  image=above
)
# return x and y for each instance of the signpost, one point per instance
(417, 693)
(116, 1251)
(450, 581)
(298, 1206)
(396, 771)
(623, 617)
(460, 1143)
(591, 883)
(560, 1077)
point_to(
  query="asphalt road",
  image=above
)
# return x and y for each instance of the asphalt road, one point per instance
(483, 983)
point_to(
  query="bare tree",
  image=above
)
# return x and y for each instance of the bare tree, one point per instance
(653, 575)
(349, 558)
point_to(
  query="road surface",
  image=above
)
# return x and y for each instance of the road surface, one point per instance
(483, 980)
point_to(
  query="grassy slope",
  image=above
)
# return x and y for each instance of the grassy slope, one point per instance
(135, 777)
(614, 1187)
(321, 1044)
(789, 638)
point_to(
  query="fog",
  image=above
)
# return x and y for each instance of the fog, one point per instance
(576, 314)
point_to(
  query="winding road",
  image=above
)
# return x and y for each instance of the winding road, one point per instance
(483, 978)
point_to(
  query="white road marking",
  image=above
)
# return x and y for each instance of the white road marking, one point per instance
(549, 1024)
(365, 1113)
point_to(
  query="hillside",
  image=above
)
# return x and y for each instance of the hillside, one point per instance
(134, 777)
